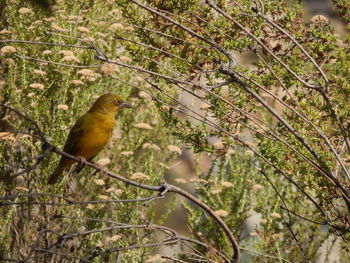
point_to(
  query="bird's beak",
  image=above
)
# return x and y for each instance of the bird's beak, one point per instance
(126, 105)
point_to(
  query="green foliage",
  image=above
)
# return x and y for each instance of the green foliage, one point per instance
(248, 163)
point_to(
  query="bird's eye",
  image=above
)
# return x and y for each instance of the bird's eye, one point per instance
(117, 102)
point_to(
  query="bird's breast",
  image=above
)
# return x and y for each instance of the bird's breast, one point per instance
(96, 134)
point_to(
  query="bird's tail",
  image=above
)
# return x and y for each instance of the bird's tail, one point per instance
(54, 176)
(60, 168)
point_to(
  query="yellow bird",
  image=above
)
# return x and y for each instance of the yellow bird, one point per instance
(91, 132)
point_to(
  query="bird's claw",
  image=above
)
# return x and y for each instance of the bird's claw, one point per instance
(81, 163)
(163, 189)
(82, 160)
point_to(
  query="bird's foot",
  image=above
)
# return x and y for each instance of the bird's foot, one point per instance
(81, 164)
(164, 188)
(82, 160)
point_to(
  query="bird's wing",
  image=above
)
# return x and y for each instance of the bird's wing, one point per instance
(77, 131)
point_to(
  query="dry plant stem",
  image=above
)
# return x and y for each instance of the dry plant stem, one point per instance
(155, 48)
(68, 201)
(324, 166)
(188, 30)
(57, 63)
(226, 15)
(195, 200)
(55, 253)
(166, 35)
(43, 43)
(173, 238)
(296, 43)
(103, 58)
(165, 230)
(307, 120)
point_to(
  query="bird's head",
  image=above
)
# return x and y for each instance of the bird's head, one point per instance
(109, 103)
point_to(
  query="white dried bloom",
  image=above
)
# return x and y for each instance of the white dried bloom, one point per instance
(113, 238)
(39, 72)
(7, 136)
(257, 187)
(144, 95)
(276, 215)
(204, 106)
(74, 18)
(83, 29)
(47, 52)
(5, 32)
(103, 197)
(57, 27)
(125, 59)
(37, 86)
(146, 145)
(198, 180)
(319, 19)
(103, 161)
(118, 192)
(150, 146)
(31, 95)
(227, 184)
(99, 182)
(115, 13)
(216, 191)
(86, 72)
(221, 213)
(108, 69)
(126, 153)
(70, 59)
(77, 82)
(175, 149)
(24, 10)
(66, 53)
(180, 181)
(139, 176)
(253, 234)
(154, 147)
(142, 125)
(62, 107)
(116, 26)
(7, 50)
(263, 221)
(111, 189)
(90, 206)
(21, 188)
(219, 145)
(89, 39)
(49, 19)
